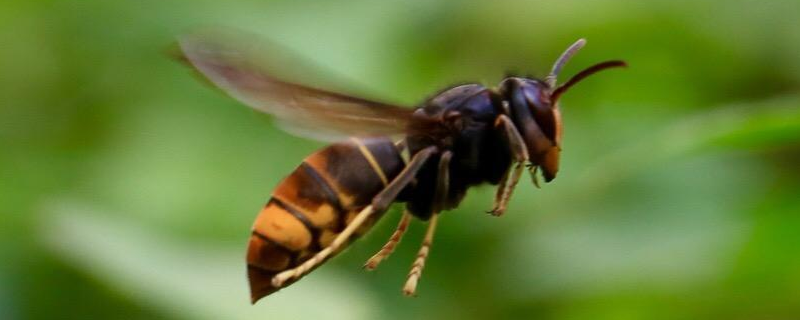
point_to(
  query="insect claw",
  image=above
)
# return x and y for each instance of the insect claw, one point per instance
(370, 265)
(497, 212)
(409, 293)
(533, 169)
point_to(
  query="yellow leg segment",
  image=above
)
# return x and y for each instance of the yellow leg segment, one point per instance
(410, 287)
(388, 248)
(292, 274)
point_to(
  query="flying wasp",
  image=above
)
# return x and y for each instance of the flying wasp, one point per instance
(464, 136)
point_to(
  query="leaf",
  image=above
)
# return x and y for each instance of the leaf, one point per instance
(188, 280)
(770, 123)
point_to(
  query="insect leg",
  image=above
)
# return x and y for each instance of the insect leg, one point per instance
(519, 152)
(499, 193)
(401, 145)
(388, 248)
(390, 245)
(410, 288)
(388, 194)
(442, 189)
(379, 204)
(442, 182)
(534, 178)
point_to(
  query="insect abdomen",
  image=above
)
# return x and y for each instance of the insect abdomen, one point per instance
(314, 203)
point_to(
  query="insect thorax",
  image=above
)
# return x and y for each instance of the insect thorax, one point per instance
(461, 120)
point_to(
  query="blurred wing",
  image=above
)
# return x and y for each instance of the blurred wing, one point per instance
(301, 110)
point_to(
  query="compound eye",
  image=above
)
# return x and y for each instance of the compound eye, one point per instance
(539, 103)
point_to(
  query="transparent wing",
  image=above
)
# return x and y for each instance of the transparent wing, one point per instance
(300, 109)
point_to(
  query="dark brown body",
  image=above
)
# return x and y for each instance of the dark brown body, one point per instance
(316, 201)
(464, 136)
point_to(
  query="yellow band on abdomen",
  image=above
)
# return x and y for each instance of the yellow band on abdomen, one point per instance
(371, 159)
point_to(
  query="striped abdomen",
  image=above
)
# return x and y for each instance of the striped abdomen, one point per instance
(314, 203)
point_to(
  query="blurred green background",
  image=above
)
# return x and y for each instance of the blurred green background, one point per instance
(127, 186)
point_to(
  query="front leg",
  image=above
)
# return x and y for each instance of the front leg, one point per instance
(519, 154)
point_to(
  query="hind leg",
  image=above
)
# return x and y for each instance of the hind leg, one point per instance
(440, 196)
(410, 288)
(379, 204)
(388, 248)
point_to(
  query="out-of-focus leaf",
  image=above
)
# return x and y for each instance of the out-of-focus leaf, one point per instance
(775, 122)
(672, 230)
(188, 280)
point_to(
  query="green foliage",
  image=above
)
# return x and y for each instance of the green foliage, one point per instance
(127, 186)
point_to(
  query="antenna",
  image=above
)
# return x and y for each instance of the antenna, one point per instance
(583, 74)
(551, 78)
